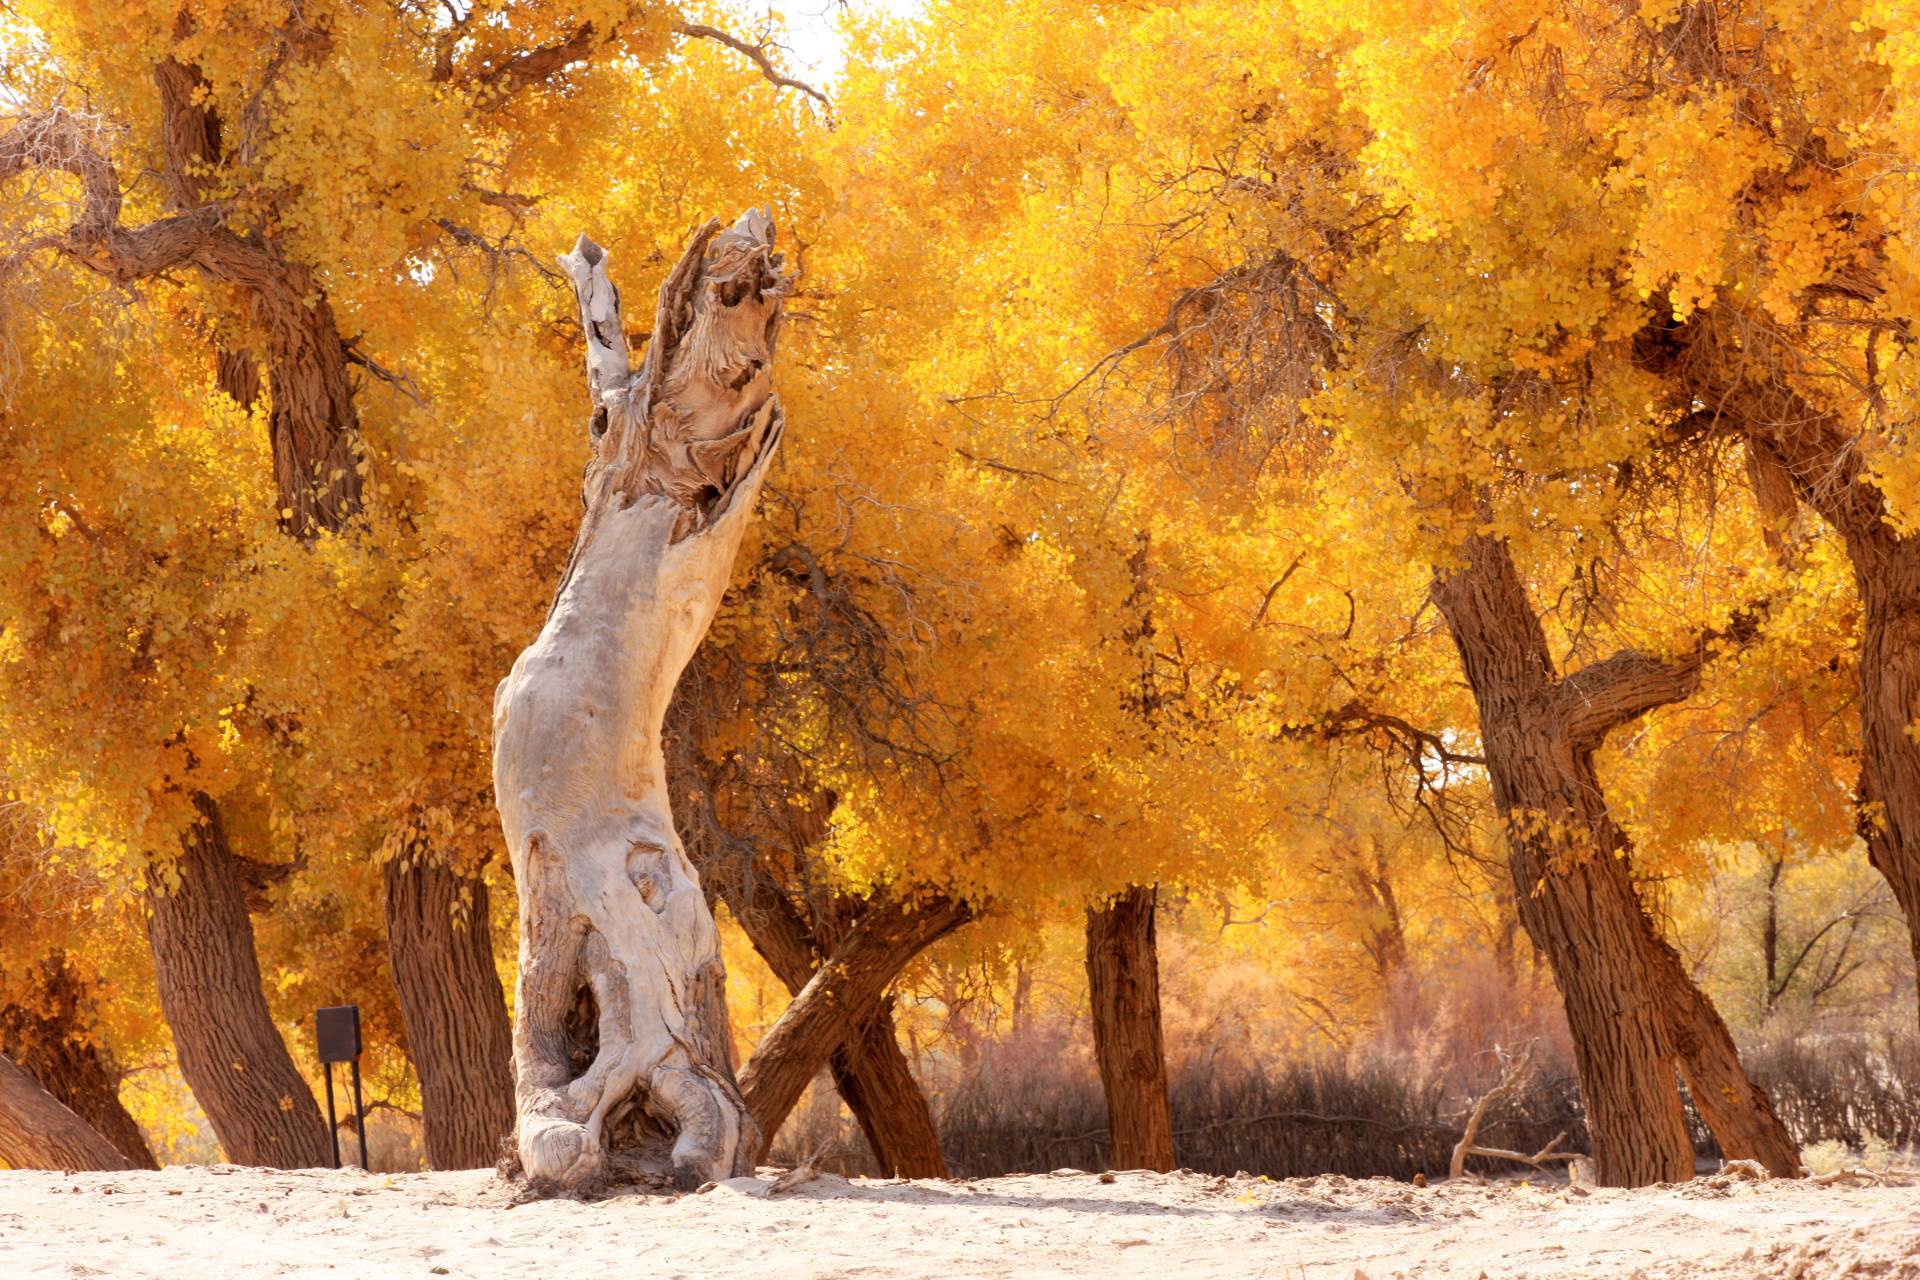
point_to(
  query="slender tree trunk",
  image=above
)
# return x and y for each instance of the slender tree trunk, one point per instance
(613, 922)
(54, 1042)
(456, 1014)
(230, 1051)
(38, 1132)
(837, 1002)
(1635, 1015)
(1123, 981)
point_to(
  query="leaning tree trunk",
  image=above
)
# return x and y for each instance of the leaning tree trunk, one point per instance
(1748, 370)
(54, 1041)
(873, 1079)
(1123, 984)
(455, 1012)
(838, 1001)
(612, 919)
(230, 1051)
(38, 1132)
(1635, 1015)
(869, 1070)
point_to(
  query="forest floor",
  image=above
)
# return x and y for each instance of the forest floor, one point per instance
(199, 1222)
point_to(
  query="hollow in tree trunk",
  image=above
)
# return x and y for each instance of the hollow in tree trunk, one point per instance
(613, 923)
(1123, 984)
(441, 944)
(208, 976)
(37, 1131)
(52, 1038)
(1635, 1014)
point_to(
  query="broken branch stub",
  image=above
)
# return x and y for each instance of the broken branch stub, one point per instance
(622, 1055)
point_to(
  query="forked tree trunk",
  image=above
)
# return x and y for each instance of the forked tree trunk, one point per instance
(53, 1041)
(1123, 984)
(441, 943)
(1635, 1015)
(612, 919)
(208, 975)
(38, 1132)
(838, 1001)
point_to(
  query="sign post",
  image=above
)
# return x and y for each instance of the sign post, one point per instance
(338, 1032)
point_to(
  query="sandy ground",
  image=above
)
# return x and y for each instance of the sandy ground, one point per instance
(199, 1223)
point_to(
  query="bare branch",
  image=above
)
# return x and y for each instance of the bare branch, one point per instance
(758, 55)
(1599, 698)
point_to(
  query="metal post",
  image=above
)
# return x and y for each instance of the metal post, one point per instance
(333, 1126)
(359, 1116)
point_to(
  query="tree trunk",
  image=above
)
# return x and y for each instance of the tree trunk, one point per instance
(1739, 363)
(869, 1070)
(1123, 982)
(53, 1041)
(1635, 1015)
(838, 1001)
(455, 1012)
(38, 1132)
(612, 919)
(230, 1051)
(877, 1085)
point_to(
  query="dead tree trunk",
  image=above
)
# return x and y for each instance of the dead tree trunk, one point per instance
(611, 913)
(1635, 1014)
(53, 1041)
(230, 1051)
(38, 1132)
(1123, 983)
(455, 1012)
(838, 1000)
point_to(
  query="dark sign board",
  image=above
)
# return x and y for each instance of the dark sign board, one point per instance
(338, 1030)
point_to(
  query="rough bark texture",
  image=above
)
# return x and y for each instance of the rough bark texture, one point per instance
(838, 1003)
(230, 1051)
(869, 1070)
(38, 1132)
(1740, 366)
(1123, 984)
(53, 1040)
(612, 918)
(794, 926)
(1635, 1015)
(455, 1011)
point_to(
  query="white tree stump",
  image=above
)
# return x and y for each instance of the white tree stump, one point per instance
(621, 1044)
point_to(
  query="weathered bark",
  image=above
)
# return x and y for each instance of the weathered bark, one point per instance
(1635, 1015)
(38, 1132)
(611, 911)
(1740, 366)
(53, 1041)
(209, 981)
(875, 1081)
(793, 931)
(1123, 983)
(869, 1070)
(455, 1012)
(837, 1000)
